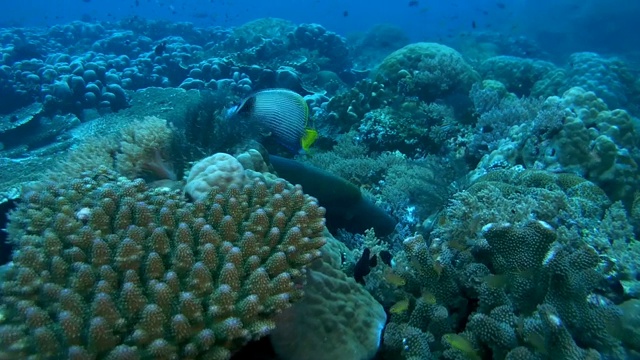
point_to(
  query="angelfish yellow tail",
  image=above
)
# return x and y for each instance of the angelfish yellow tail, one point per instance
(310, 136)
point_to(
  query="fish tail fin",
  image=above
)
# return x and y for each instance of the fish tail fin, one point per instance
(308, 138)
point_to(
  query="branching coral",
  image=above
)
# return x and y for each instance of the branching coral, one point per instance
(509, 284)
(110, 268)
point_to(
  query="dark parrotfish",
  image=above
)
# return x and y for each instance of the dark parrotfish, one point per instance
(346, 207)
(386, 257)
(364, 265)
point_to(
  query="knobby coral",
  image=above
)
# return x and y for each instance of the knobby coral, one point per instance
(106, 267)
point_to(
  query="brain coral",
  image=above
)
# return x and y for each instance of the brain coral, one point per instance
(108, 268)
(429, 71)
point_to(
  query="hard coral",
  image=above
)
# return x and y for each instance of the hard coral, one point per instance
(518, 74)
(336, 320)
(107, 268)
(133, 148)
(143, 148)
(221, 170)
(429, 71)
(349, 107)
(597, 143)
(519, 288)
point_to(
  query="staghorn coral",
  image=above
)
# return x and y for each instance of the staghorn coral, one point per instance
(105, 267)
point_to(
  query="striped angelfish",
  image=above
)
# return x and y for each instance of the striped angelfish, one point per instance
(281, 113)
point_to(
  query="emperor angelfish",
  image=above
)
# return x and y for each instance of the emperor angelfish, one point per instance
(281, 113)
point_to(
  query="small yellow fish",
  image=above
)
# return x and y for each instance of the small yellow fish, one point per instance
(437, 267)
(394, 279)
(428, 297)
(458, 244)
(537, 341)
(495, 281)
(400, 307)
(463, 345)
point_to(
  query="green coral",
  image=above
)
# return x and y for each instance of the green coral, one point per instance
(110, 268)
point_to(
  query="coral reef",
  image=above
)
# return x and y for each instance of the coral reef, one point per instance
(336, 319)
(609, 78)
(108, 267)
(574, 133)
(429, 71)
(519, 75)
(501, 180)
(515, 266)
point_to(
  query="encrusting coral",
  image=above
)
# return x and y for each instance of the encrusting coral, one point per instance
(336, 320)
(106, 267)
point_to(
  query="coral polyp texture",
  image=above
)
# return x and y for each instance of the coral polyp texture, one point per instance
(108, 268)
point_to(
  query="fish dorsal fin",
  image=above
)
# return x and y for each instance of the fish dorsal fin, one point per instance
(246, 106)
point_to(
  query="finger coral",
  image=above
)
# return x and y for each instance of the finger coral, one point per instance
(108, 268)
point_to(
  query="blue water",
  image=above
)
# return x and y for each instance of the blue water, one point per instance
(561, 27)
